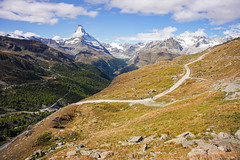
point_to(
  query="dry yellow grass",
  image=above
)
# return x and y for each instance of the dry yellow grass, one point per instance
(200, 107)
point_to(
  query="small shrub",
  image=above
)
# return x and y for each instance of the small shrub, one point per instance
(44, 139)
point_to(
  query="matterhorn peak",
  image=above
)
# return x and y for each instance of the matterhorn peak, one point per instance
(79, 32)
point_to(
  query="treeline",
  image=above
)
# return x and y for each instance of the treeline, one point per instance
(78, 81)
(13, 125)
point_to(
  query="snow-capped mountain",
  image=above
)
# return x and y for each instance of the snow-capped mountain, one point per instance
(123, 51)
(185, 43)
(81, 47)
(79, 41)
(86, 49)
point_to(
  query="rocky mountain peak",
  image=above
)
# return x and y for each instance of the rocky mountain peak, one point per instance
(79, 32)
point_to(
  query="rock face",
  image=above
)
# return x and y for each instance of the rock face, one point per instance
(156, 51)
(237, 134)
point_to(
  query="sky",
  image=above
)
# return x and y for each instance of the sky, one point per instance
(121, 20)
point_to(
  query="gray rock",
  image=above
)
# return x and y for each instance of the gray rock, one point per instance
(206, 146)
(71, 153)
(85, 152)
(196, 151)
(149, 138)
(153, 90)
(60, 143)
(135, 139)
(188, 144)
(80, 146)
(94, 121)
(39, 153)
(224, 148)
(95, 154)
(144, 147)
(223, 135)
(186, 135)
(237, 134)
(179, 140)
(106, 154)
(213, 135)
(212, 152)
(163, 137)
(174, 77)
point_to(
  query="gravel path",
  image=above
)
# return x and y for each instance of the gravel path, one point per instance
(149, 100)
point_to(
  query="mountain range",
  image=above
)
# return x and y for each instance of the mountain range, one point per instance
(117, 58)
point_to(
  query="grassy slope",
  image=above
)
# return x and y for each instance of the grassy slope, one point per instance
(200, 107)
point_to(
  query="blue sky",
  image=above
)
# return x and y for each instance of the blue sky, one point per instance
(121, 20)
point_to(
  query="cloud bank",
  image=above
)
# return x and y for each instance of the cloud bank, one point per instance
(154, 35)
(40, 12)
(217, 11)
(233, 31)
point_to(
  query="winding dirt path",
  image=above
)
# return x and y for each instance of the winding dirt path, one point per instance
(150, 100)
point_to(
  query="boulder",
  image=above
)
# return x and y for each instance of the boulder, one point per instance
(206, 146)
(80, 146)
(95, 155)
(214, 135)
(135, 139)
(223, 135)
(163, 137)
(39, 153)
(106, 154)
(215, 152)
(186, 135)
(144, 147)
(153, 90)
(196, 152)
(94, 121)
(224, 148)
(71, 153)
(237, 134)
(85, 152)
(188, 144)
(178, 140)
(149, 138)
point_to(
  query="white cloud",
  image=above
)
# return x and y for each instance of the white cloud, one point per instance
(2, 33)
(154, 35)
(198, 33)
(40, 11)
(218, 28)
(217, 11)
(233, 31)
(97, 1)
(27, 34)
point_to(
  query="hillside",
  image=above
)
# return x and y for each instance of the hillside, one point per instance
(203, 112)
(34, 77)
